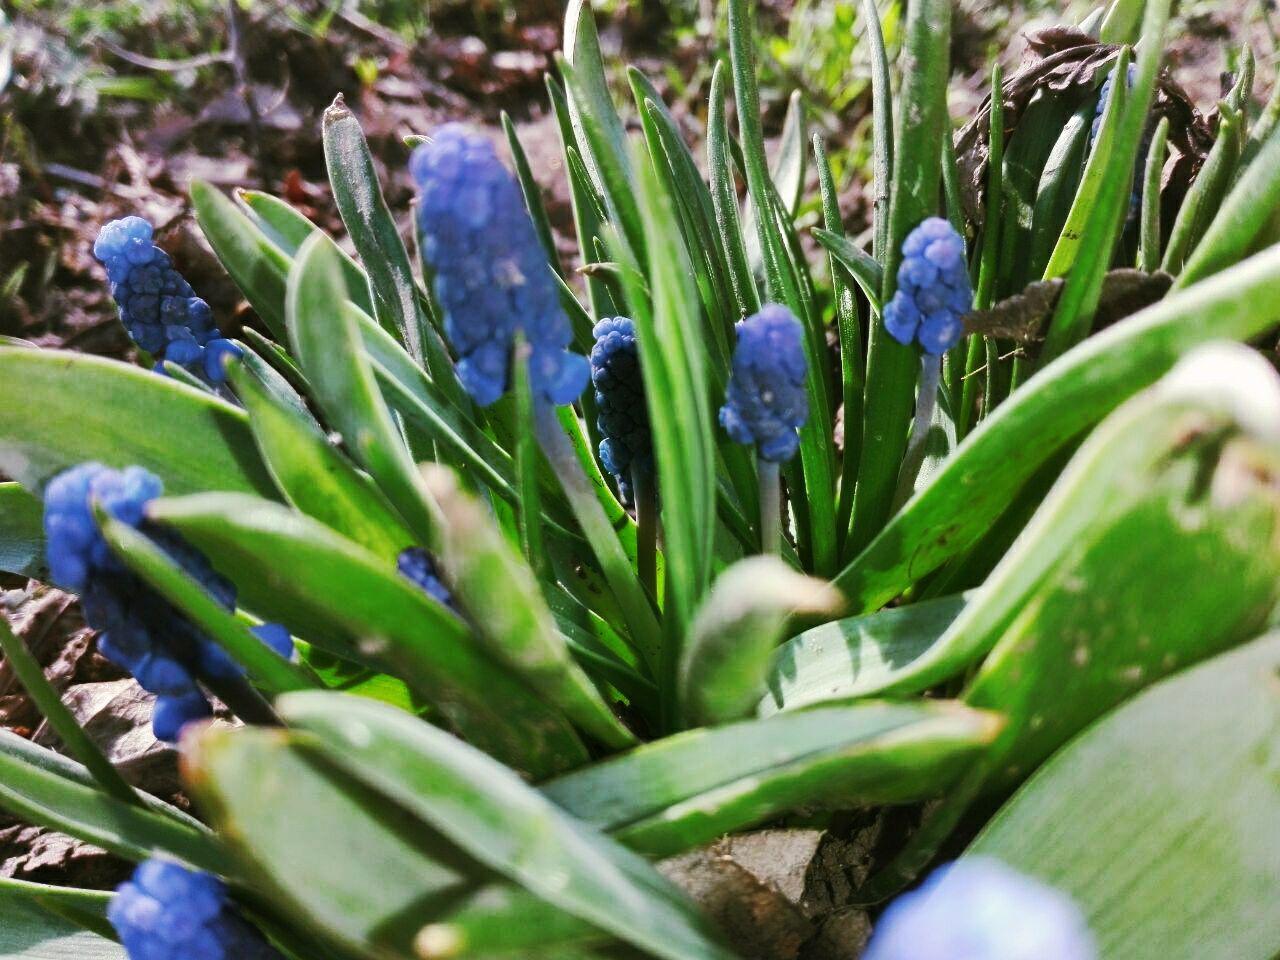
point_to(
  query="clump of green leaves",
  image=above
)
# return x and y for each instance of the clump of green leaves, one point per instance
(493, 779)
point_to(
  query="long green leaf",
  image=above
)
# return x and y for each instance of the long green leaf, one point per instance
(45, 788)
(21, 532)
(733, 636)
(37, 926)
(312, 475)
(691, 788)
(256, 264)
(1059, 404)
(856, 657)
(292, 569)
(489, 812)
(59, 409)
(1159, 821)
(892, 367)
(329, 348)
(519, 631)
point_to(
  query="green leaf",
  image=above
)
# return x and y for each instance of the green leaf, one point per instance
(256, 264)
(1059, 404)
(734, 634)
(290, 818)
(693, 787)
(312, 474)
(724, 198)
(292, 569)
(480, 565)
(289, 230)
(892, 367)
(330, 349)
(267, 669)
(372, 229)
(1149, 246)
(858, 656)
(37, 924)
(1159, 821)
(532, 194)
(506, 825)
(1243, 216)
(881, 127)
(1105, 590)
(21, 533)
(860, 264)
(598, 131)
(45, 788)
(1205, 195)
(58, 409)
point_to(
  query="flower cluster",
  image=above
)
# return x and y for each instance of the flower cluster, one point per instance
(157, 306)
(766, 402)
(622, 416)
(418, 567)
(979, 909)
(933, 289)
(140, 631)
(167, 912)
(491, 276)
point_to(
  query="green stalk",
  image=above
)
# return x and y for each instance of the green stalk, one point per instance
(646, 495)
(770, 506)
(926, 403)
(51, 707)
(531, 539)
(1149, 246)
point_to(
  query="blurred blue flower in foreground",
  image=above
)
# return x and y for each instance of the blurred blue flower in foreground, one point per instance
(766, 402)
(491, 276)
(166, 912)
(140, 631)
(621, 411)
(980, 909)
(933, 289)
(157, 306)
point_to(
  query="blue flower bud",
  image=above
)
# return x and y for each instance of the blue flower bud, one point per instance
(167, 912)
(979, 909)
(140, 631)
(1104, 97)
(933, 292)
(766, 402)
(622, 416)
(491, 276)
(157, 306)
(416, 565)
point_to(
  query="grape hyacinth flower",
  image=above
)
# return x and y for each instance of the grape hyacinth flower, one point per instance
(980, 909)
(933, 289)
(140, 631)
(491, 276)
(621, 411)
(416, 565)
(766, 402)
(157, 306)
(167, 912)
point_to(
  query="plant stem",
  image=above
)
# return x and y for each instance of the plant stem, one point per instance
(50, 705)
(926, 402)
(244, 701)
(770, 507)
(646, 495)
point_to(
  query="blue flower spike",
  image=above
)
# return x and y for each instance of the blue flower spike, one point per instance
(934, 292)
(157, 306)
(139, 630)
(980, 909)
(766, 401)
(491, 276)
(418, 566)
(622, 415)
(167, 912)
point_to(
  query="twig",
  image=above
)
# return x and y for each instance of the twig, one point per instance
(161, 64)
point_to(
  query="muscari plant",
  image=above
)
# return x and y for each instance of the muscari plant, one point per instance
(501, 640)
